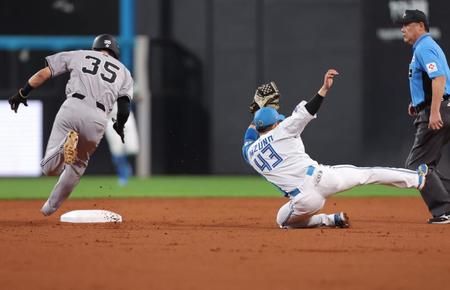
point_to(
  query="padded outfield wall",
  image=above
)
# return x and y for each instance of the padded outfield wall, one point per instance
(208, 56)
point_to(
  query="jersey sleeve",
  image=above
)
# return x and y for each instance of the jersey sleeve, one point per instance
(431, 63)
(59, 62)
(296, 123)
(251, 135)
(127, 86)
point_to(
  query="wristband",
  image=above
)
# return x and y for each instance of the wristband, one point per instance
(314, 104)
(25, 90)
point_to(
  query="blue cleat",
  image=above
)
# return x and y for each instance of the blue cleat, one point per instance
(341, 220)
(422, 171)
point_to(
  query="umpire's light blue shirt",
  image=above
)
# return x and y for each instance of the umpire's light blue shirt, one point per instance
(428, 62)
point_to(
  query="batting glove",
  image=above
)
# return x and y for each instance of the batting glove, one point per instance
(15, 101)
(119, 130)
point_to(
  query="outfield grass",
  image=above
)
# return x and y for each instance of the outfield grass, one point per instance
(169, 186)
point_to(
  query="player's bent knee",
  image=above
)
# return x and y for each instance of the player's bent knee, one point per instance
(52, 167)
(50, 171)
(308, 204)
(299, 209)
(290, 220)
(284, 214)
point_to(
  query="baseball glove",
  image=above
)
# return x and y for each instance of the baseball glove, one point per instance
(266, 95)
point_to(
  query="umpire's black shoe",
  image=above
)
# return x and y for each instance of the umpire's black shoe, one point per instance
(443, 219)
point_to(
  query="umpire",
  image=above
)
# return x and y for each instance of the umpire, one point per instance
(429, 82)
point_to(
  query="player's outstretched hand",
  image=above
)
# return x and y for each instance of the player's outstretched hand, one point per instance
(254, 107)
(119, 129)
(328, 78)
(15, 101)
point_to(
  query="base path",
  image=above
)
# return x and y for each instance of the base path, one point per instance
(222, 243)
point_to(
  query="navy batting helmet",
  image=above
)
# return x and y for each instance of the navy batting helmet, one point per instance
(107, 42)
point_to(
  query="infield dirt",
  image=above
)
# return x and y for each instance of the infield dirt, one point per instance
(223, 243)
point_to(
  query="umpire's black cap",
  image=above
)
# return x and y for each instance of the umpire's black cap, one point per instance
(413, 16)
(107, 42)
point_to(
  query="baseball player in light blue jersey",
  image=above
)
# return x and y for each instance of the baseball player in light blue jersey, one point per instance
(97, 81)
(274, 148)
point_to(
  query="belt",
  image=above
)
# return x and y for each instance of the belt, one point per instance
(309, 171)
(80, 96)
(424, 105)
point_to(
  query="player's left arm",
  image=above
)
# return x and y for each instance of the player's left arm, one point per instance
(314, 104)
(35, 81)
(123, 105)
(123, 112)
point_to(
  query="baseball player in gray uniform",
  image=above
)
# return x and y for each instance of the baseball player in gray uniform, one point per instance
(97, 81)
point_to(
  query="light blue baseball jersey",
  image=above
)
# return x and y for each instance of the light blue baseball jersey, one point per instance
(427, 63)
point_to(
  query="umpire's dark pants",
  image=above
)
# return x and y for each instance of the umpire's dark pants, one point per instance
(427, 149)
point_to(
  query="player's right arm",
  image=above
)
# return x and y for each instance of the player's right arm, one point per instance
(35, 81)
(56, 64)
(40, 77)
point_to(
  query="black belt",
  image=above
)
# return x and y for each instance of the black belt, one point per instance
(424, 105)
(80, 96)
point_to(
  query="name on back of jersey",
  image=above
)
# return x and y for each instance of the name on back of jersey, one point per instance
(259, 145)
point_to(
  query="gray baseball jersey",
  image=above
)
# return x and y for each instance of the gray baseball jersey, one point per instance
(99, 77)
(96, 81)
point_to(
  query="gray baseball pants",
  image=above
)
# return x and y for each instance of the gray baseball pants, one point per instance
(427, 149)
(90, 123)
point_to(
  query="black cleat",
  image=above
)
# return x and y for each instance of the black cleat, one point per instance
(440, 220)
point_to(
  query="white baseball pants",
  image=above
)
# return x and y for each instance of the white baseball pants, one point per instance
(325, 181)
